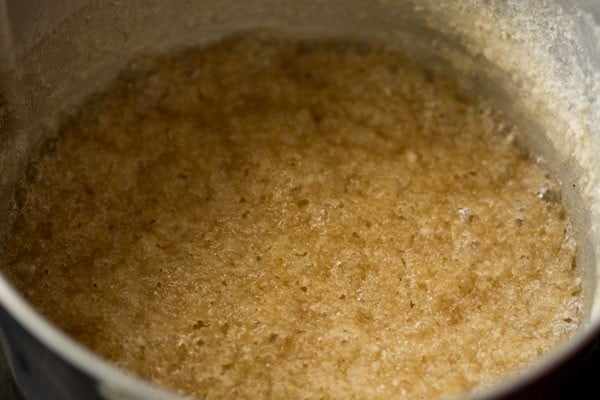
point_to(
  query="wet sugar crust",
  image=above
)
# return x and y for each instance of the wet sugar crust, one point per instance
(280, 218)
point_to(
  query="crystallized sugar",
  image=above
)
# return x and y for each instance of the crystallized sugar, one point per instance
(278, 218)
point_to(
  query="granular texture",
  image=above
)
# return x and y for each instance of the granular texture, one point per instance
(280, 218)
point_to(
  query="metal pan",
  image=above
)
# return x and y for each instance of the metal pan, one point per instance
(538, 61)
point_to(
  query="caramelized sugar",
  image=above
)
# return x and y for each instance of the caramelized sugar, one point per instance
(273, 218)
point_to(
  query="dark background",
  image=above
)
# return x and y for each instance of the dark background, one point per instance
(8, 391)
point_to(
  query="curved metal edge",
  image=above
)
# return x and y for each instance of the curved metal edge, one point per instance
(542, 376)
(116, 384)
(113, 383)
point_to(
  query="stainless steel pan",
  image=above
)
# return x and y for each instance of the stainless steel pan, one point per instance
(539, 61)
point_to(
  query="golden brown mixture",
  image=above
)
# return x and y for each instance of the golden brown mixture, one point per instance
(271, 218)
